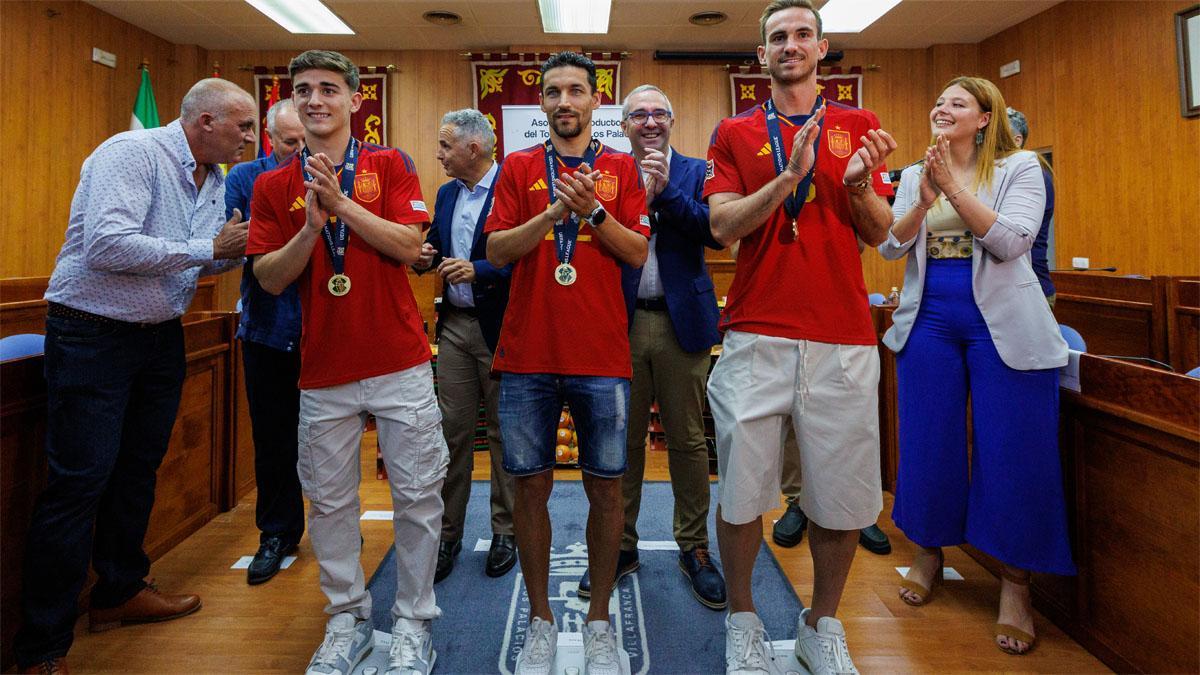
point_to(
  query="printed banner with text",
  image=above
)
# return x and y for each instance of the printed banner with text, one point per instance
(368, 124)
(752, 86)
(516, 80)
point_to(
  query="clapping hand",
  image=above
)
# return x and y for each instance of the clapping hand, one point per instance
(324, 182)
(803, 158)
(230, 242)
(657, 173)
(315, 216)
(577, 191)
(876, 146)
(457, 271)
(929, 192)
(939, 164)
(428, 253)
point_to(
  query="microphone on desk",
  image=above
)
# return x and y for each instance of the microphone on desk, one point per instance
(1086, 269)
(1144, 359)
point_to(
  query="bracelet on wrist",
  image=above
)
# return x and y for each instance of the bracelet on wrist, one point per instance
(796, 169)
(921, 206)
(859, 187)
(956, 193)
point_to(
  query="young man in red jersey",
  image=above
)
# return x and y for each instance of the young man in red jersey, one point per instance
(343, 219)
(567, 213)
(797, 181)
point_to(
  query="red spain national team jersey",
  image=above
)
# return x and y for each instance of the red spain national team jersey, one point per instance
(376, 328)
(808, 287)
(581, 329)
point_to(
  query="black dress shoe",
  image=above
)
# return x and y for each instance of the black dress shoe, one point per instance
(627, 563)
(874, 540)
(445, 562)
(268, 559)
(789, 529)
(501, 556)
(707, 583)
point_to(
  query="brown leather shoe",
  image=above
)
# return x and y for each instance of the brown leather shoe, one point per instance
(50, 667)
(148, 606)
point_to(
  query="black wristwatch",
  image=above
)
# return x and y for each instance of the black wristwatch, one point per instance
(596, 218)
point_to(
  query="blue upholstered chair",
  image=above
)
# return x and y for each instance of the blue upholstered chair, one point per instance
(1073, 338)
(22, 344)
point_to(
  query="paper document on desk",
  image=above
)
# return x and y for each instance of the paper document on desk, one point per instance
(1068, 375)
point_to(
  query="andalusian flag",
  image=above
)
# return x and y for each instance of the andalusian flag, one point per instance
(145, 112)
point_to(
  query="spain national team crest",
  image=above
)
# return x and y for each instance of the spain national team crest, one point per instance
(606, 187)
(839, 142)
(366, 187)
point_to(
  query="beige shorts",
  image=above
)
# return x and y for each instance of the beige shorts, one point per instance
(830, 392)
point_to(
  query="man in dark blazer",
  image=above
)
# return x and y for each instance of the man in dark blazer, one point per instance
(474, 296)
(673, 326)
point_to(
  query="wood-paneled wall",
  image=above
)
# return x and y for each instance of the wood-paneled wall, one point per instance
(59, 106)
(1099, 87)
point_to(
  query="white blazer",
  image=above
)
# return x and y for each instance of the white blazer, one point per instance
(1002, 279)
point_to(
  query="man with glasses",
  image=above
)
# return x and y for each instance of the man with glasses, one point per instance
(673, 326)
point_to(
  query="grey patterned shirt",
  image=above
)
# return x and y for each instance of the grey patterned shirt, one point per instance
(140, 233)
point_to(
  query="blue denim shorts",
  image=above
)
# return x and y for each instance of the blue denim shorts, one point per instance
(530, 405)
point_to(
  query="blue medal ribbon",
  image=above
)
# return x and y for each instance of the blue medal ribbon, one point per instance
(335, 232)
(566, 230)
(795, 201)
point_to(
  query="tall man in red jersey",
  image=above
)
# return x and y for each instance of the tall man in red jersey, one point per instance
(567, 213)
(795, 180)
(343, 219)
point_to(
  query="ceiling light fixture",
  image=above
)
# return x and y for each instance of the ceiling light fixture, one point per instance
(707, 18)
(575, 16)
(441, 17)
(853, 16)
(302, 16)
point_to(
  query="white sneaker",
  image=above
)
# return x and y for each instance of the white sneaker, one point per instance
(823, 650)
(600, 649)
(747, 650)
(541, 646)
(412, 651)
(347, 642)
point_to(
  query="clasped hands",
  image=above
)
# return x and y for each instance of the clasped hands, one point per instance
(576, 193)
(937, 177)
(656, 172)
(324, 192)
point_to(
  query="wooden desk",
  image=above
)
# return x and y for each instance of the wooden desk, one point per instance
(1116, 315)
(1183, 322)
(195, 481)
(22, 309)
(1130, 445)
(1130, 442)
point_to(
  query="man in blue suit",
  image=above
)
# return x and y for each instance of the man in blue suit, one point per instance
(270, 332)
(474, 296)
(673, 326)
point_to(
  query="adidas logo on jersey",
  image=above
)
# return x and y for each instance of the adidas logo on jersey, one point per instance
(539, 185)
(297, 205)
(765, 149)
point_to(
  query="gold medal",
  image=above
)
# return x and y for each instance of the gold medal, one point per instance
(339, 284)
(565, 274)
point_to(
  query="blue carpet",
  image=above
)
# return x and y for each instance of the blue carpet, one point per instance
(659, 623)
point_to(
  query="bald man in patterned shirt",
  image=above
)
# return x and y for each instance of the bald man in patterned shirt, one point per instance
(147, 220)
